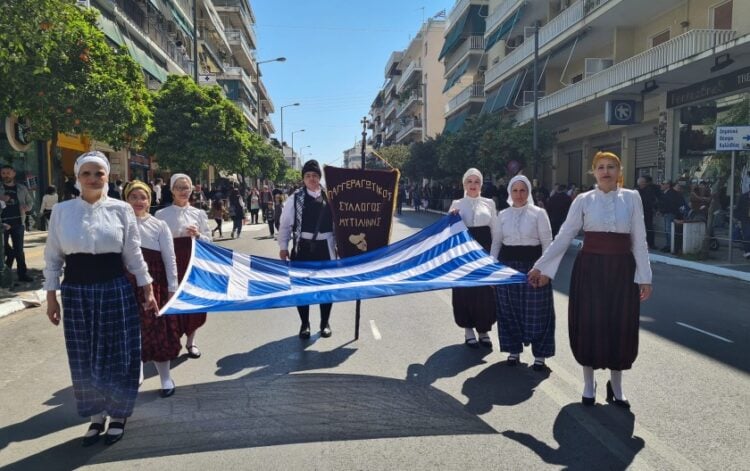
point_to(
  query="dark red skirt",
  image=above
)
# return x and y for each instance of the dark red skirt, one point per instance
(160, 336)
(475, 307)
(189, 323)
(604, 305)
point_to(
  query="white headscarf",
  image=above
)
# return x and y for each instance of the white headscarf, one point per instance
(525, 180)
(176, 177)
(93, 156)
(472, 172)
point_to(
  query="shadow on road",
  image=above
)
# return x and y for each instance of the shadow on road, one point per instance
(583, 448)
(446, 363)
(501, 385)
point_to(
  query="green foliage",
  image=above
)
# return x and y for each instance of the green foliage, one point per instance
(195, 127)
(423, 160)
(395, 155)
(58, 71)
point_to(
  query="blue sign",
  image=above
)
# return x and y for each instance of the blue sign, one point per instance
(621, 112)
(732, 138)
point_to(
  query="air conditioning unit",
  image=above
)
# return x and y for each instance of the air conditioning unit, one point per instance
(83, 3)
(594, 65)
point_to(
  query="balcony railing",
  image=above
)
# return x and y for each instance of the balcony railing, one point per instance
(671, 52)
(500, 14)
(475, 90)
(390, 108)
(552, 30)
(470, 44)
(408, 126)
(236, 37)
(238, 73)
(392, 129)
(405, 104)
(239, 6)
(414, 66)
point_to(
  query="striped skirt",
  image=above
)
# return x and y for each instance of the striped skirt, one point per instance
(102, 337)
(604, 305)
(525, 315)
(160, 336)
(475, 307)
(188, 323)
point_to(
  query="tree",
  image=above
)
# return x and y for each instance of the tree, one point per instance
(395, 155)
(58, 71)
(195, 127)
(423, 159)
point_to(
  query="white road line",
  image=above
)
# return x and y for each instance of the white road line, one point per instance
(375, 331)
(704, 332)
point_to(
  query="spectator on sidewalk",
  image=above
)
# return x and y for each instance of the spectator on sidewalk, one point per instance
(743, 215)
(557, 208)
(18, 201)
(649, 197)
(669, 206)
(49, 200)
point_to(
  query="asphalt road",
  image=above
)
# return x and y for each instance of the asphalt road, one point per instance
(406, 395)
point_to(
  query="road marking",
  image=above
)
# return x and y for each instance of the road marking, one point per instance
(704, 332)
(375, 331)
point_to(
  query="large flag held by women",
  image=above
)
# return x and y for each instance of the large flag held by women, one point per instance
(440, 256)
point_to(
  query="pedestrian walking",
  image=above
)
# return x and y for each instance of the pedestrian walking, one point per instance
(236, 212)
(185, 223)
(18, 201)
(254, 206)
(91, 241)
(49, 200)
(611, 276)
(525, 314)
(474, 308)
(160, 335)
(306, 220)
(557, 208)
(217, 214)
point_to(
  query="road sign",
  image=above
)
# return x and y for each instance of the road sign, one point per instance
(732, 138)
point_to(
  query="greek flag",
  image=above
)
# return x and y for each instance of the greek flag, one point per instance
(443, 255)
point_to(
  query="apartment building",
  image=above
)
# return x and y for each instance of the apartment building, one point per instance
(464, 61)
(409, 107)
(647, 80)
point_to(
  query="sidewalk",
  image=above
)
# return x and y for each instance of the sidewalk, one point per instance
(23, 295)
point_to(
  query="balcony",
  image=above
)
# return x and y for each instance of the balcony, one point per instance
(391, 130)
(654, 60)
(470, 44)
(415, 67)
(391, 67)
(238, 73)
(390, 108)
(240, 45)
(552, 30)
(474, 92)
(240, 9)
(406, 102)
(248, 112)
(500, 14)
(459, 9)
(407, 127)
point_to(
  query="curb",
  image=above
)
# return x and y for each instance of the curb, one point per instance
(21, 301)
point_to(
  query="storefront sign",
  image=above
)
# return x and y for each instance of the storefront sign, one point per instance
(620, 112)
(18, 131)
(732, 138)
(714, 87)
(362, 202)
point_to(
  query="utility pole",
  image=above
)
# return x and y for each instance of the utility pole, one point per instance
(364, 122)
(535, 135)
(195, 40)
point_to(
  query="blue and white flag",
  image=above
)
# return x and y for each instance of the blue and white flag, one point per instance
(443, 255)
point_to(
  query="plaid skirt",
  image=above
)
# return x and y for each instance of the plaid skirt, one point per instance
(188, 323)
(160, 336)
(604, 305)
(102, 337)
(475, 307)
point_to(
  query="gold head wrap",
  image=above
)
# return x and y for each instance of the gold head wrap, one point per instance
(136, 185)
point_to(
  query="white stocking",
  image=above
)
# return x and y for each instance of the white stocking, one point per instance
(589, 387)
(616, 380)
(162, 367)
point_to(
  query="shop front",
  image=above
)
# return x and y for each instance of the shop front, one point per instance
(25, 156)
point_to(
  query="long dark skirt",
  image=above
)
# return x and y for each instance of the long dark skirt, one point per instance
(604, 305)
(160, 336)
(475, 307)
(188, 323)
(525, 315)
(102, 336)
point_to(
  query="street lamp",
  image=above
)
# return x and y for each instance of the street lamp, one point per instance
(293, 133)
(282, 122)
(300, 152)
(257, 90)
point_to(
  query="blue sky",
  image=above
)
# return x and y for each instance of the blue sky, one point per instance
(336, 52)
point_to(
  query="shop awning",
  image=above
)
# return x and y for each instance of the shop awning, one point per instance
(502, 97)
(456, 75)
(504, 29)
(148, 64)
(111, 30)
(454, 123)
(454, 35)
(181, 21)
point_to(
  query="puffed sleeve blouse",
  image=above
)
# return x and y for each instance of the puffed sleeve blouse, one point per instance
(475, 212)
(155, 235)
(619, 211)
(106, 226)
(178, 218)
(527, 225)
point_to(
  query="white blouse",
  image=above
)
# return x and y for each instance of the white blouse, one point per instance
(476, 212)
(178, 218)
(107, 226)
(527, 225)
(155, 235)
(619, 211)
(48, 201)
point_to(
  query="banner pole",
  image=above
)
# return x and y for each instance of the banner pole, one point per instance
(356, 320)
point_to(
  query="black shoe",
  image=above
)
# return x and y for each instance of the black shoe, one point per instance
(612, 400)
(326, 331)
(25, 279)
(304, 332)
(167, 392)
(485, 342)
(512, 360)
(91, 439)
(110, 439)
(539, 366)
(588, 401)
(471, 343)
(193, 351)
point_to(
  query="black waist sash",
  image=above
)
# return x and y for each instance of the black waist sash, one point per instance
(93, 268)
(520, 253)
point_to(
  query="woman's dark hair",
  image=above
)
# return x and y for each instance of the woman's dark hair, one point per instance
(51, 190)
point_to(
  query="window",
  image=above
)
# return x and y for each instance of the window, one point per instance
(722, 15)
(576, 78)
(660, 38)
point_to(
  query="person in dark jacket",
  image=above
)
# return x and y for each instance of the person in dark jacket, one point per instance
(557, 207)
(670, 202)
(743, 215)
(649, 196)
